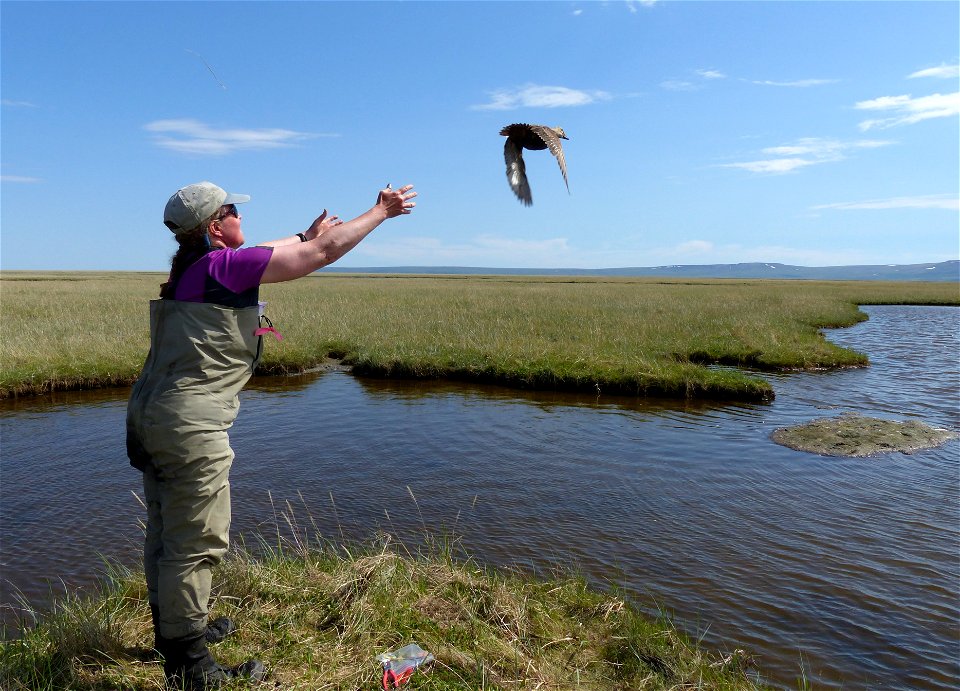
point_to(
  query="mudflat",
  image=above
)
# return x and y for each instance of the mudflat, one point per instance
(852, 434)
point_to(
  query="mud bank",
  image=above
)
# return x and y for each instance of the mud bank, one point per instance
(852, 434)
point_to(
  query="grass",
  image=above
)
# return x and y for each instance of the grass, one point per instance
(318, 615)
(614, 335)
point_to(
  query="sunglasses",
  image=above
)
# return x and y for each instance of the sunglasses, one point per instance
(229, 210)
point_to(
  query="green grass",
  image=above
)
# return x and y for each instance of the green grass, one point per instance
(615, 335)
(318, 615)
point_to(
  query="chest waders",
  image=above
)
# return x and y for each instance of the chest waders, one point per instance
(185, 400)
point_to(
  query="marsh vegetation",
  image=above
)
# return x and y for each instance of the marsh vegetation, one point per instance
(629, 336)
(319, 614)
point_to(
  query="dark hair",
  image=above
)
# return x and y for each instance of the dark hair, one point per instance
(193, 245)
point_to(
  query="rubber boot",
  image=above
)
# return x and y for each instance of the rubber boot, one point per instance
(159, 642)
(188, 665)
(217, 630)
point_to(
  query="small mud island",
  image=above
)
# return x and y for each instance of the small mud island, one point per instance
(852, 434)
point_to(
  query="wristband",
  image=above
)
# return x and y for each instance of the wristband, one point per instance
(303, 238)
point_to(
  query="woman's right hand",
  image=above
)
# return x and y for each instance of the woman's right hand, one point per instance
(322, 224)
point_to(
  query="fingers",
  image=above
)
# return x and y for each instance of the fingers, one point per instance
(407, 196)
(397, 199)
(402, 190)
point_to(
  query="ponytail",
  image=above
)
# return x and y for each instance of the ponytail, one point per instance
(193, 245)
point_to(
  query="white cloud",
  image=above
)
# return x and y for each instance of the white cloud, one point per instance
(194, 137)
(19, 178)
(736, 253)
(805, 152)
(482, 250)
(907, 110)
(926, 201)
(535, 96)
(799, 83)
(17, 104)
(559, 253)
(694, 247)
(679, 85)
(943, 71)
(631, 5)
(687, 85)
(773, 165)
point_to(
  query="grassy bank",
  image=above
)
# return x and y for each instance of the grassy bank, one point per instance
(625, 336)
(318, 616)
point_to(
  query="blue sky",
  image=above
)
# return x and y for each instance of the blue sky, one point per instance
(810, 133)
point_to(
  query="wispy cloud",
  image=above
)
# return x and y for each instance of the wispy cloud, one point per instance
(631, 5)
(805, 152)
(926, 201)
(19, 178)
(906, 110)
(706, 252)
(943, 71)
(711, 74)
(693, 247)
(536, 96)
(194, 137)
(679, 85)
(481, 250)
(797, 83)
(702, 75)
(558, 252)
(17, 104)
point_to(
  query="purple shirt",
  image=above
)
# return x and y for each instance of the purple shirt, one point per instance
(225, 276)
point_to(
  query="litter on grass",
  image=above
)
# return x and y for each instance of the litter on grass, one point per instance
(398, 665)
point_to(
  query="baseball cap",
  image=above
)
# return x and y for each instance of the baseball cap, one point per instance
(195, 203)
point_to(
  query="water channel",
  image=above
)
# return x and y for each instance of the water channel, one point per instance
(842, 571)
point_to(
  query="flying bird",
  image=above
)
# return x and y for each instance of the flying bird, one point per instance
(521, 136)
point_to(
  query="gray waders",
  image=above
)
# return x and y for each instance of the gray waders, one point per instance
(180, 409)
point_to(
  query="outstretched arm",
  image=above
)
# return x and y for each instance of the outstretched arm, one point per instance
(326, 245)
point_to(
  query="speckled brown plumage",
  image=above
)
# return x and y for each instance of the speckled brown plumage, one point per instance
(522, 136)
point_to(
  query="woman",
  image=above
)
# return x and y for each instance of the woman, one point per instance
(206, 335)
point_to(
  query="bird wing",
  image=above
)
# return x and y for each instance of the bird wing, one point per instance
(517, 171)
(552, 141)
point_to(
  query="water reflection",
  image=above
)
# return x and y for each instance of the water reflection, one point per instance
(850, 563)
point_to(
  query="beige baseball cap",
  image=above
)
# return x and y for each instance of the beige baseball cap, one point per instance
(195, 203)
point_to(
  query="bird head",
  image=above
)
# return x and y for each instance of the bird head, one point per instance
(559, 132)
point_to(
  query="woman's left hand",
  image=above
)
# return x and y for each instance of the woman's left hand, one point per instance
(397, 202)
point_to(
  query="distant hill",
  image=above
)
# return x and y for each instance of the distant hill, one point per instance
(941, 271)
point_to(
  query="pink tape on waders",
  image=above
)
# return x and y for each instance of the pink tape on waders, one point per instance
(268, 330)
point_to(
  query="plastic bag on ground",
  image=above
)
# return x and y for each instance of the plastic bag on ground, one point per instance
(398, 665)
